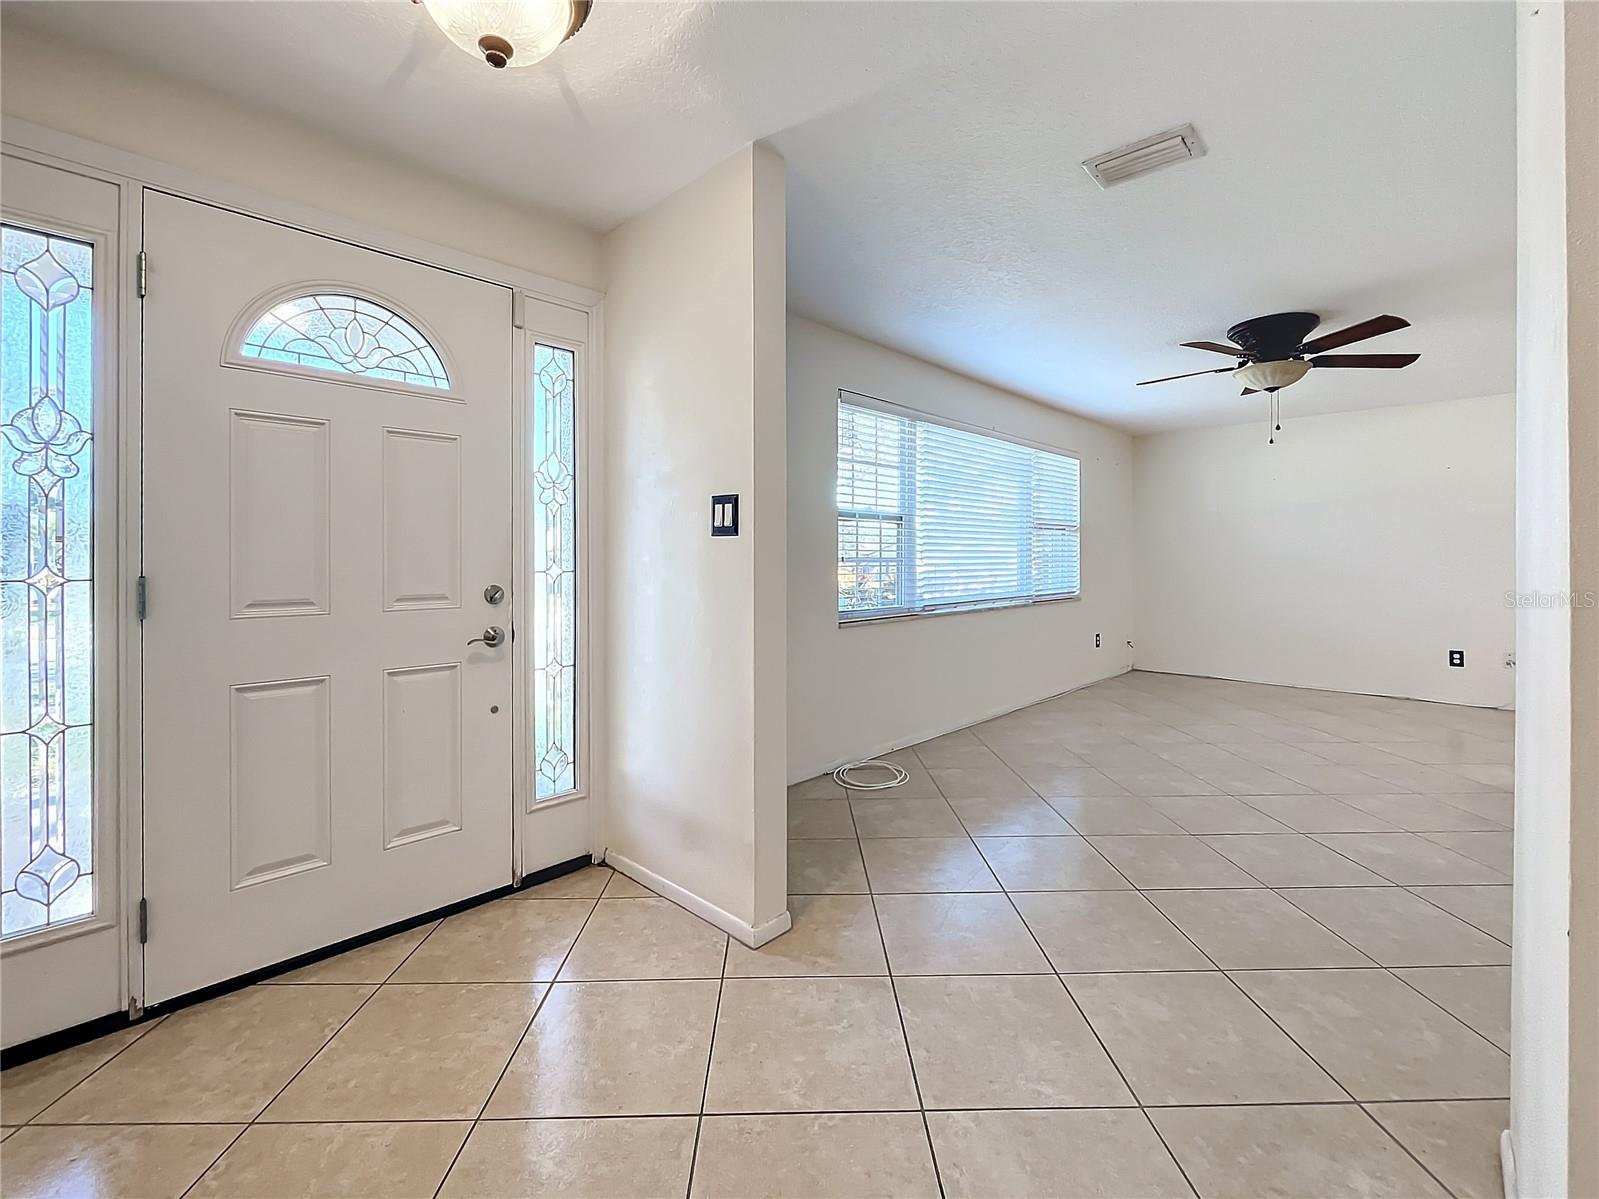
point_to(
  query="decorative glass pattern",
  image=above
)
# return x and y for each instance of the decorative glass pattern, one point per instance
(46, 580)
(554, 564)
(345, 335)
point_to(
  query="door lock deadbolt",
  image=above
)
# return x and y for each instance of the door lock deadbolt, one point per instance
(494, 593)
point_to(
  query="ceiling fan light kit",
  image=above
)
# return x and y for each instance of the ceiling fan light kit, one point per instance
(1272, 376)
(509, 33)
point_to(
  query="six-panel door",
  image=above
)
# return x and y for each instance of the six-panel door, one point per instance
(327, 494)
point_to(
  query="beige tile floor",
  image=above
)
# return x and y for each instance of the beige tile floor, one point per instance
(1162, 936)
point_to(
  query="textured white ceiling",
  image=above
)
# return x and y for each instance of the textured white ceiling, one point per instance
(1361, 161)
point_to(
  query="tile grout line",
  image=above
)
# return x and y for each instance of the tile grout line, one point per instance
(1377, 968)
(1416, 889)
(1406, 1150)
(1394, 970)
(1249, 998)
(710, 1056)
(251, 1122)
(1155, 1128)
(154, 1024)
(1094, 1032)
(1411, 889)
(1336, 1081)
(1317, 838)
(538, 1006)
(158, 1022)
(1082, 1015)
(893, 991)
(813, 1111)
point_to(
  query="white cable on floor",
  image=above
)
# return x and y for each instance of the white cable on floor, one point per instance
(897, 775)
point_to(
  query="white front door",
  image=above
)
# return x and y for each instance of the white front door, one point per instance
(327, 510)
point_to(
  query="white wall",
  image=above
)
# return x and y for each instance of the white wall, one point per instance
(873, 687)
(1350, 556)
(694, 407)
(1554, 1090)
(92, 95)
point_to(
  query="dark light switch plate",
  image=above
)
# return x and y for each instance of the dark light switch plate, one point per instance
(724, 516)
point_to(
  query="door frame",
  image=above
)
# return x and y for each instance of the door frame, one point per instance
(576, 816)
(132, 174)
(116, 677)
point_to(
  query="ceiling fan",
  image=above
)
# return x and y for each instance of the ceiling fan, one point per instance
(1272, 351)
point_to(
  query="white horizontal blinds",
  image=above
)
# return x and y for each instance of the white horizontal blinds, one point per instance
(973, 518)
(874, 457)
(932, 517)
(1056, 549)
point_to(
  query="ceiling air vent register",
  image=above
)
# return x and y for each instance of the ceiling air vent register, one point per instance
(1142, 157)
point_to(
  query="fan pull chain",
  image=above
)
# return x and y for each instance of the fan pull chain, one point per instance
(1271, 404)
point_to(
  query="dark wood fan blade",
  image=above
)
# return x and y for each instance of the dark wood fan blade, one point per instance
(1371, 328)
(1390, 362)
(1217, 348)
(1220, 370)
(1250, 391)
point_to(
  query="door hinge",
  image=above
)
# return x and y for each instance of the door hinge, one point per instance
(141, 597)
(518, 310)
(144, 921)
(144, 274)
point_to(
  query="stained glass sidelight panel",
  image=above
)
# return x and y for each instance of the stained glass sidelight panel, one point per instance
(345, 335)
(46, 580)
(554, 565)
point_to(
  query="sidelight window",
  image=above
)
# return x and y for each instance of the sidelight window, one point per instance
(554, 570)
(47, 365)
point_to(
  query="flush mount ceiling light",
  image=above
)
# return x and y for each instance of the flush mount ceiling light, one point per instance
(509, 33)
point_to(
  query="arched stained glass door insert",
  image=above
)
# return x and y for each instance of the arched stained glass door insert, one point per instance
(47, 336)
(344, 335)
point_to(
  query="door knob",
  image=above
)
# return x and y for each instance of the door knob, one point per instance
(492, 636)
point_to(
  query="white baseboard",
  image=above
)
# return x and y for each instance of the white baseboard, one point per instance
(1508, 706)
(1507, 1164)
(773, 928)
(740, 930)
(880, 748)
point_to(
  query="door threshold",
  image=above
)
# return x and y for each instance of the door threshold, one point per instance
(89, 1030)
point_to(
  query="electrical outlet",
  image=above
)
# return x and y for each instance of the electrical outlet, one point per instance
(1096, 640)
(1457, 657)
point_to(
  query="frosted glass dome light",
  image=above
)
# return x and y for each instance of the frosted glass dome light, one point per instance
(509, 33)
(1269, 376)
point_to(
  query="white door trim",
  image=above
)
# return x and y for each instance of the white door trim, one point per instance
(134, 172)
(582, 821)
(116, 672)
(107, 161)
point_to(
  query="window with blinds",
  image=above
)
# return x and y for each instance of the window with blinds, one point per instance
(935, 518)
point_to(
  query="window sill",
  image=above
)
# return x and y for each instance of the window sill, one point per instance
(845, 622)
